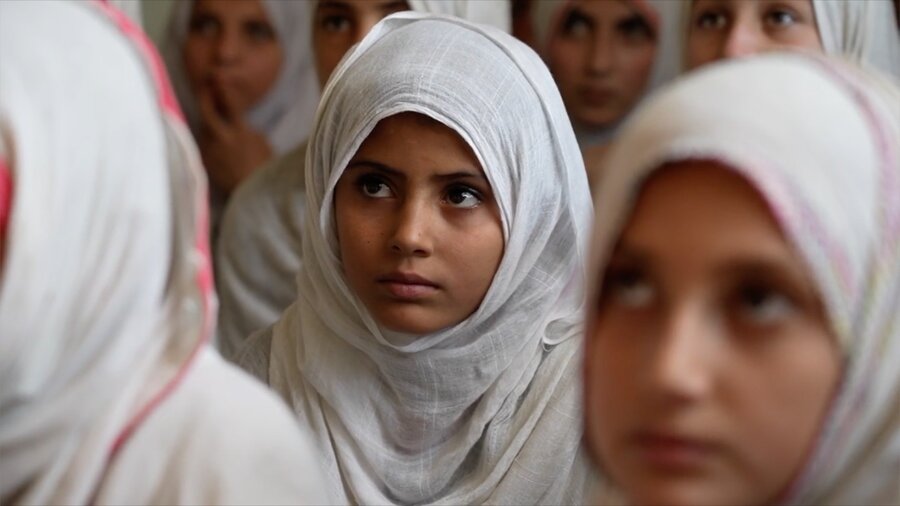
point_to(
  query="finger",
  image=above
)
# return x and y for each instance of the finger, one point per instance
(210, 116)
(227, 99)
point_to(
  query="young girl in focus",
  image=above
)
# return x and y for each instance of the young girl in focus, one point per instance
(259, 249)
(433, 347)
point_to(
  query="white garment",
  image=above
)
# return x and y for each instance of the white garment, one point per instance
(286, 113)
(820, 141)
(488, 410)
(862, 30)
(258, 253)
(665, 16)
(106, 299)
(496, 13)
(258, 250)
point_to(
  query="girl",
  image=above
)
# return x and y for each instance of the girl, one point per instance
(745, 318)
(258, 253)
(433, 346)
(605, 56)
(243, 70)
(864, 31)
(109, 393)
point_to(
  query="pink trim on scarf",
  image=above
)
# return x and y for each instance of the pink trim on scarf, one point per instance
(149, 55)
(5, 197)
(205, 284)
(889, 186)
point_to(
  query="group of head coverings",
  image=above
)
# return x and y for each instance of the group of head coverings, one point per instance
(494, 400)
(256, 266)
(109, 391)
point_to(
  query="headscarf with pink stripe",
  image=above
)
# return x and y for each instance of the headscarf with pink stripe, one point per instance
(106, 289)
(819, 138)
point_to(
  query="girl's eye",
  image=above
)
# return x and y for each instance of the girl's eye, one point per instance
(628, 287)
(463, 197)
(759, 304)
(780, 18)
(204, 25)
(636, 28)
(335, 23)
(577, 24)
(710, 20)
(259, 31)
(374, 187)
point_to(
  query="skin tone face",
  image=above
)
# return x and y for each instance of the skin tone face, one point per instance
(721, 29)
(233, 58)
(601, 56)
(339, 24)
(419, 229)
(708, 335)
(232, 49)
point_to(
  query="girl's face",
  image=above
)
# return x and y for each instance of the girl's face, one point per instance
(721, 29)
(710, 364)
(339, 24)
(234, 43)
(419, 228)
(601, 57)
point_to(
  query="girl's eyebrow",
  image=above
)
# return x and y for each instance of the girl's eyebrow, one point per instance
(380, 167)
(461, 174)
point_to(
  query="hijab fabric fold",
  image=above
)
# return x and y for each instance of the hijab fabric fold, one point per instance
(863, 31)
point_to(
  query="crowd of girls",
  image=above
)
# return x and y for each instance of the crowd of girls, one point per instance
(452, 252)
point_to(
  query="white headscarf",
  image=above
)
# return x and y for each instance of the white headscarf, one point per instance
(820, 141)
(496, 13)
(862, 30)
(106, 299)
(286, 113)
(665, 16)
(487, 410)
(258, 252)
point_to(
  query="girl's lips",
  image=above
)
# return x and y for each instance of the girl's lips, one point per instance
(407, 286)
(408, 291)
(596, 96)
(673, 452)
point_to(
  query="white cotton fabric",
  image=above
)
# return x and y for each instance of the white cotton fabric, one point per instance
(863, 30)
(667, 17)
(486, 411)
(259, 246)
(496, 13)
(106, 381)
(286, 113)
(833, 185)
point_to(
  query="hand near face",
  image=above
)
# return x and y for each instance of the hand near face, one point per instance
(230, 148)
